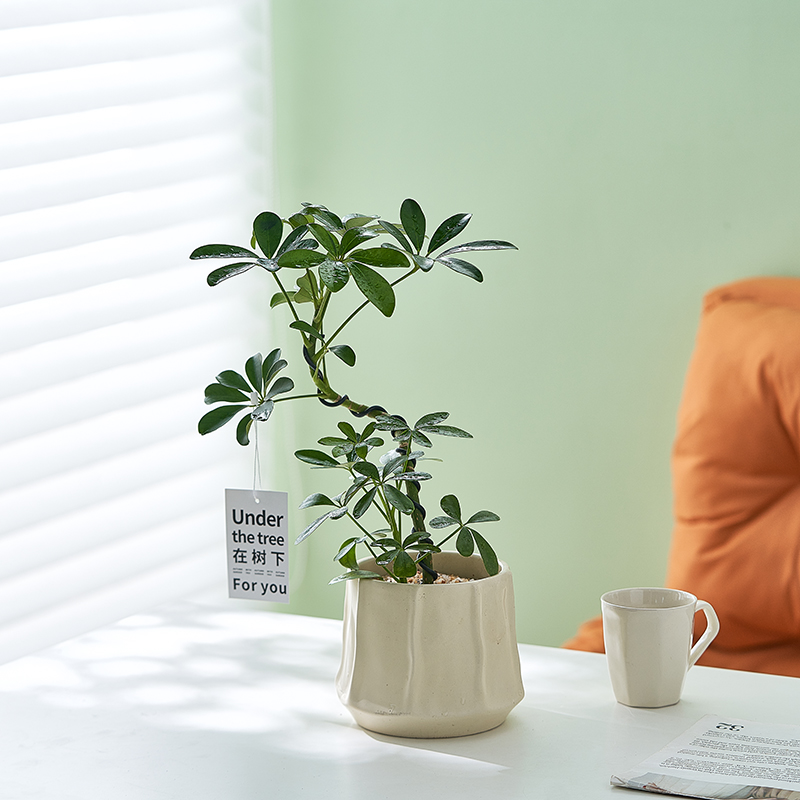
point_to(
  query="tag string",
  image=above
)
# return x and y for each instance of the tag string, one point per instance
(256, 464)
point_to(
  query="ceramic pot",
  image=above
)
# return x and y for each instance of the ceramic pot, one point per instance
(429, 661)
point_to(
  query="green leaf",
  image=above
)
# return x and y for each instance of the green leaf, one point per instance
(483, 244)
(323, 215)
(397, 233)
(412, 476)
(217, 417)
(462, 267)
(228, 271)
(379, 257)
(448, 430)
(348, 430)
(308, 283)
(348, 544)
(404, 565)
(268, 230)
(464, 542)
(280, 297)
(349, 560)
(368, 429)
(442, 522)
(335, 514)
(387, 557)
(483, 516)
(299, 325)
(413, 538)
(353, 490)
(413, 221)
(298, 220)
(334, 274)
(317, 458)
(420, 437)
(272, 365)
(279, 387)
(386, 422)
(292, 240)
(375, 288)
(217, 393)
(365, 468)
(243, 430)
(397, 499)
(487, 554)
(252, 369)
(450, 505)
(357, 220)
(347, 554)
(301, 257)
(345, 353)
(222, 251)
(354, 237)
(451, 227)
(392, 465)
(424, 263)
(325, 238)
(355, 574)
(332, 441)
(364, 503)
(316, 499)
(233, 379)
(431, 419)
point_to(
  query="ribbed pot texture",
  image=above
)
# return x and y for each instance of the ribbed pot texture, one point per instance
(430, 661)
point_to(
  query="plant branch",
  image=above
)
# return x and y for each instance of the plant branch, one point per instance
(286, 295)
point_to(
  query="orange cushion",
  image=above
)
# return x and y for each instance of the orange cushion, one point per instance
(736, 477)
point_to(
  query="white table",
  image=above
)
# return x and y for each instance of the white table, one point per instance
(196, 701)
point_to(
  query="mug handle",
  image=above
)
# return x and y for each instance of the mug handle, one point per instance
(712, 629)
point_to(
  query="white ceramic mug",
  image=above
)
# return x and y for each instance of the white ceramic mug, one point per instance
(648, 639)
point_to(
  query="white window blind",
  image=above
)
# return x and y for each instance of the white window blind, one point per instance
(131, 131)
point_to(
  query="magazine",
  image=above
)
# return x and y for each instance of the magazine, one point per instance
(723, 758)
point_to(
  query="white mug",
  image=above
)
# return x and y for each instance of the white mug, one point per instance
(648, 639)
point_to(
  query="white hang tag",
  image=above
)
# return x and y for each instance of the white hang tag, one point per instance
(257, 542)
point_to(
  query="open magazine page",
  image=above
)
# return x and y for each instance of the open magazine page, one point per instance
(725, 758)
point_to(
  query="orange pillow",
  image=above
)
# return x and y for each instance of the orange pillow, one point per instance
(736, 477)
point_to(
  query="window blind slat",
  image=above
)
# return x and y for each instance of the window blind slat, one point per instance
(62, 136)
(23, 13)
(26, 548)
(115, 171)
(91, 264)
(65, 226)
(117, 38)
(100, 306)
(106, 563)
(131, 131)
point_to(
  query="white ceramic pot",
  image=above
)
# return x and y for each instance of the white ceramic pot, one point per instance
(430, 661)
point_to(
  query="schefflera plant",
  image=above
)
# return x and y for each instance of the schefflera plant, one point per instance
(324, 254)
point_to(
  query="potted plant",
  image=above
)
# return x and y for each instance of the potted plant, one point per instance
(434, 659)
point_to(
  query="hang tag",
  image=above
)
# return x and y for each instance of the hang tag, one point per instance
(257, 542)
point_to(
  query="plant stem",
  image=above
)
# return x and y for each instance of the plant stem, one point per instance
(286, 295)
(295, 397)
(360, 308)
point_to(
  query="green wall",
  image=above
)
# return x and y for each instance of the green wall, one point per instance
(638, 153)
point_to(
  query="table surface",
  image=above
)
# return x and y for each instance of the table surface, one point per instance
(202, 701)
